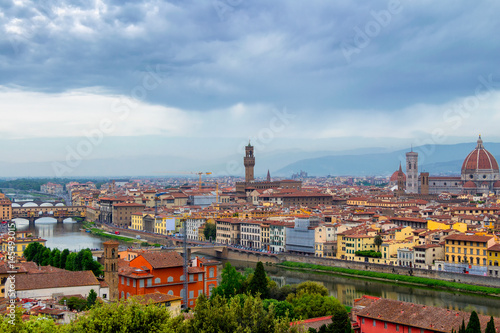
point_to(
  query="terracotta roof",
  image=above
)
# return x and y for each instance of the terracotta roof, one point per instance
(163, 259)
(55, 280)
(479, 159)
(469, 238)
(156, 298)
(419, 316)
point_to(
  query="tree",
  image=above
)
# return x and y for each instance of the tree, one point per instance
(55, 257)
(210, 231)
(461, 329)
(31, 250)
(91, 298)
(258, 283)
(124, 316)
(44, 259)
(314, 305)
(237, 314)
(340, 321)
(75, 303)
(490, 327)
(310, 287)
(62, 260)
(231, 284)
(79, 261)
(378, 241)
(474, 326)
(70, 262)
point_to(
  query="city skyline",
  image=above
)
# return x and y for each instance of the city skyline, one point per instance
(194, 81)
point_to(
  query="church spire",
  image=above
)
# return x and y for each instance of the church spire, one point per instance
(268, 176)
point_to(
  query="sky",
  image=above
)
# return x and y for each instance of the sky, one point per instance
(189, 80)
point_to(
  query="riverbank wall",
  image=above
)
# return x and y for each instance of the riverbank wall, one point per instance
(424, 273)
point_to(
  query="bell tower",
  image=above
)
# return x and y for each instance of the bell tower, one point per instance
(249, 162)
(111, 268)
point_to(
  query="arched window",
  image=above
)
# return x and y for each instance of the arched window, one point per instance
(171, 293)
(157, 280)
(123, 295)
(210, 287)
(495, 263)
(128, 295)
(477, 261)
(182, 293)
(182, 277)
(170, 279)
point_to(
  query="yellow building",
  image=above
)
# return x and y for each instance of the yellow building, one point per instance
(21, 241)
(472, 249)
(435, 225)
(5, 208)
(493, 255)
(170, 302)
(137, 221)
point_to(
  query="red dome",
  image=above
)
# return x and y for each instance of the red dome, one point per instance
(497, 184)
(479, 159)
(469, 184)
(394, 177)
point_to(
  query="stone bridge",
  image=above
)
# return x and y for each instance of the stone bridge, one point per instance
(60, 213)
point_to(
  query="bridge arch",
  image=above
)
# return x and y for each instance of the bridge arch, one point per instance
(30, 204)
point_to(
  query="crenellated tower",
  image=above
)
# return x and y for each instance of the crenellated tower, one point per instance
(249, 162)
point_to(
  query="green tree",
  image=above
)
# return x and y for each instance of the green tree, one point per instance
(33, 325)
(62, 260)
(490, 327)
(258, 283)
(55, 257)
(340, 321)
(378, 241)
(310, 287)
(124, 316)
(78, 265)
(314, 305)
(282, 309)
(75, 303)
(231, 283)
(461, 329)
(31, 250)
(210, 231)
(474, 326)
(70, 262)
(44, 259)
(237, 314)
(91, 298)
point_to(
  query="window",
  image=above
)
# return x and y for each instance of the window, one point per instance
(200, 292)
(128, 295)
(191, 277)
(123, 280)
(104, 296)
(385, 325)
(157, 280)
(150, 282)
(200, 276)
(170, 292)
(191, 294)
(133, 283)
(409, 329)
(141, 283)
(397, 327)
(362, 319)
(170, 279)
(123, 294)
(374, 323)
(211, 272)
(182, 277)
(128, 282)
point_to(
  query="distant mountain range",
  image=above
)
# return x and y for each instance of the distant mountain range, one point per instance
(435, 159)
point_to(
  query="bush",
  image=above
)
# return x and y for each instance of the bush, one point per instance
(370, 254)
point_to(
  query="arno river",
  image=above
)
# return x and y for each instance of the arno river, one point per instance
(67, 235)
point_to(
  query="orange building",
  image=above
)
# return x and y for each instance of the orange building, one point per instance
(163, 272)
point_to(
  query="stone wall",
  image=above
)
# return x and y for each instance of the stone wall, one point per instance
(440, 275)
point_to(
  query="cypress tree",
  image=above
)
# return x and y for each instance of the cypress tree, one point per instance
(258, 284)
(474, 326)
(490, 327)
(462, 327)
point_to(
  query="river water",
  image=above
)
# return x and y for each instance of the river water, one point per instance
(346, 289)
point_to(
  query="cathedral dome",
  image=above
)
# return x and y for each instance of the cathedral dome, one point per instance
(497, 184)
(394, 177)
(479, 160)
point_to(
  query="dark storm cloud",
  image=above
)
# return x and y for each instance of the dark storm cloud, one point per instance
(318, 55)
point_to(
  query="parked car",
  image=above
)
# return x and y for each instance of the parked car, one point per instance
(117, 232)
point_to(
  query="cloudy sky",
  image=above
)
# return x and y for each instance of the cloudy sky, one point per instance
(113, 79)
